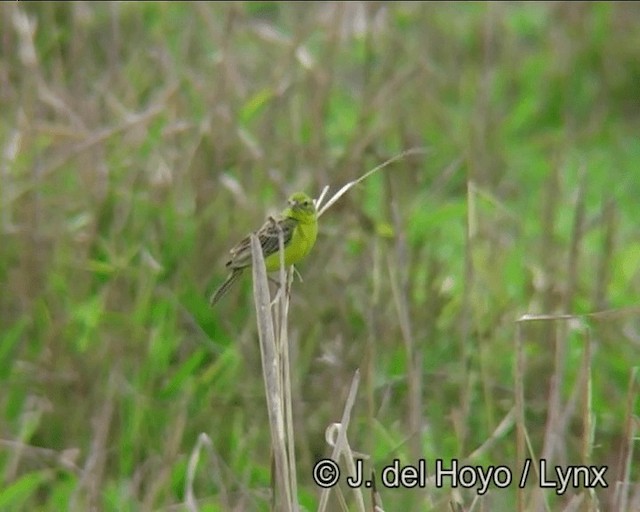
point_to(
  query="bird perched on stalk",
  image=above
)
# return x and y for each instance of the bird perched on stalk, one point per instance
(299, 226)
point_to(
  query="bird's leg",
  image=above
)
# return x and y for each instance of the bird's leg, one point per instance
(277, 296)
(274, 280)
(286, 288)
(278, 288)
(295, 271)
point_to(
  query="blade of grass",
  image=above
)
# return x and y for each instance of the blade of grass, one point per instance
(621, 495)
(341, 446)
(270, 371)
(190, 500)
(347, 186)
(519, 372)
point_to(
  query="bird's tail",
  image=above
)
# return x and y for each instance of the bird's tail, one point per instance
(224, 287)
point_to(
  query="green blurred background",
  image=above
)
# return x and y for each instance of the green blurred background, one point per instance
(139, 142)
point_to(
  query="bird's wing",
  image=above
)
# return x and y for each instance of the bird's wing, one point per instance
(240, 255)
(269, 234)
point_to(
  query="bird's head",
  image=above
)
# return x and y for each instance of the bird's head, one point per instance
(301, 206)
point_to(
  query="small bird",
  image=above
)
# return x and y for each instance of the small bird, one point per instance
(299, 225)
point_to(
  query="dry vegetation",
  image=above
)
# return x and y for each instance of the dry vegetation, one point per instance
(487, 291)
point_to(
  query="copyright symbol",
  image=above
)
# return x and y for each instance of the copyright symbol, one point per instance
(326, 473)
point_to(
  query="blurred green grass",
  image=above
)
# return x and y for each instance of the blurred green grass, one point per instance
(140, 141)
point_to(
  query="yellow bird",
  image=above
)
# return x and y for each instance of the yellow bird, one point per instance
(299, 225)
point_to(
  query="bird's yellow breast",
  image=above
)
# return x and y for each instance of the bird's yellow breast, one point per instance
(302, 241)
